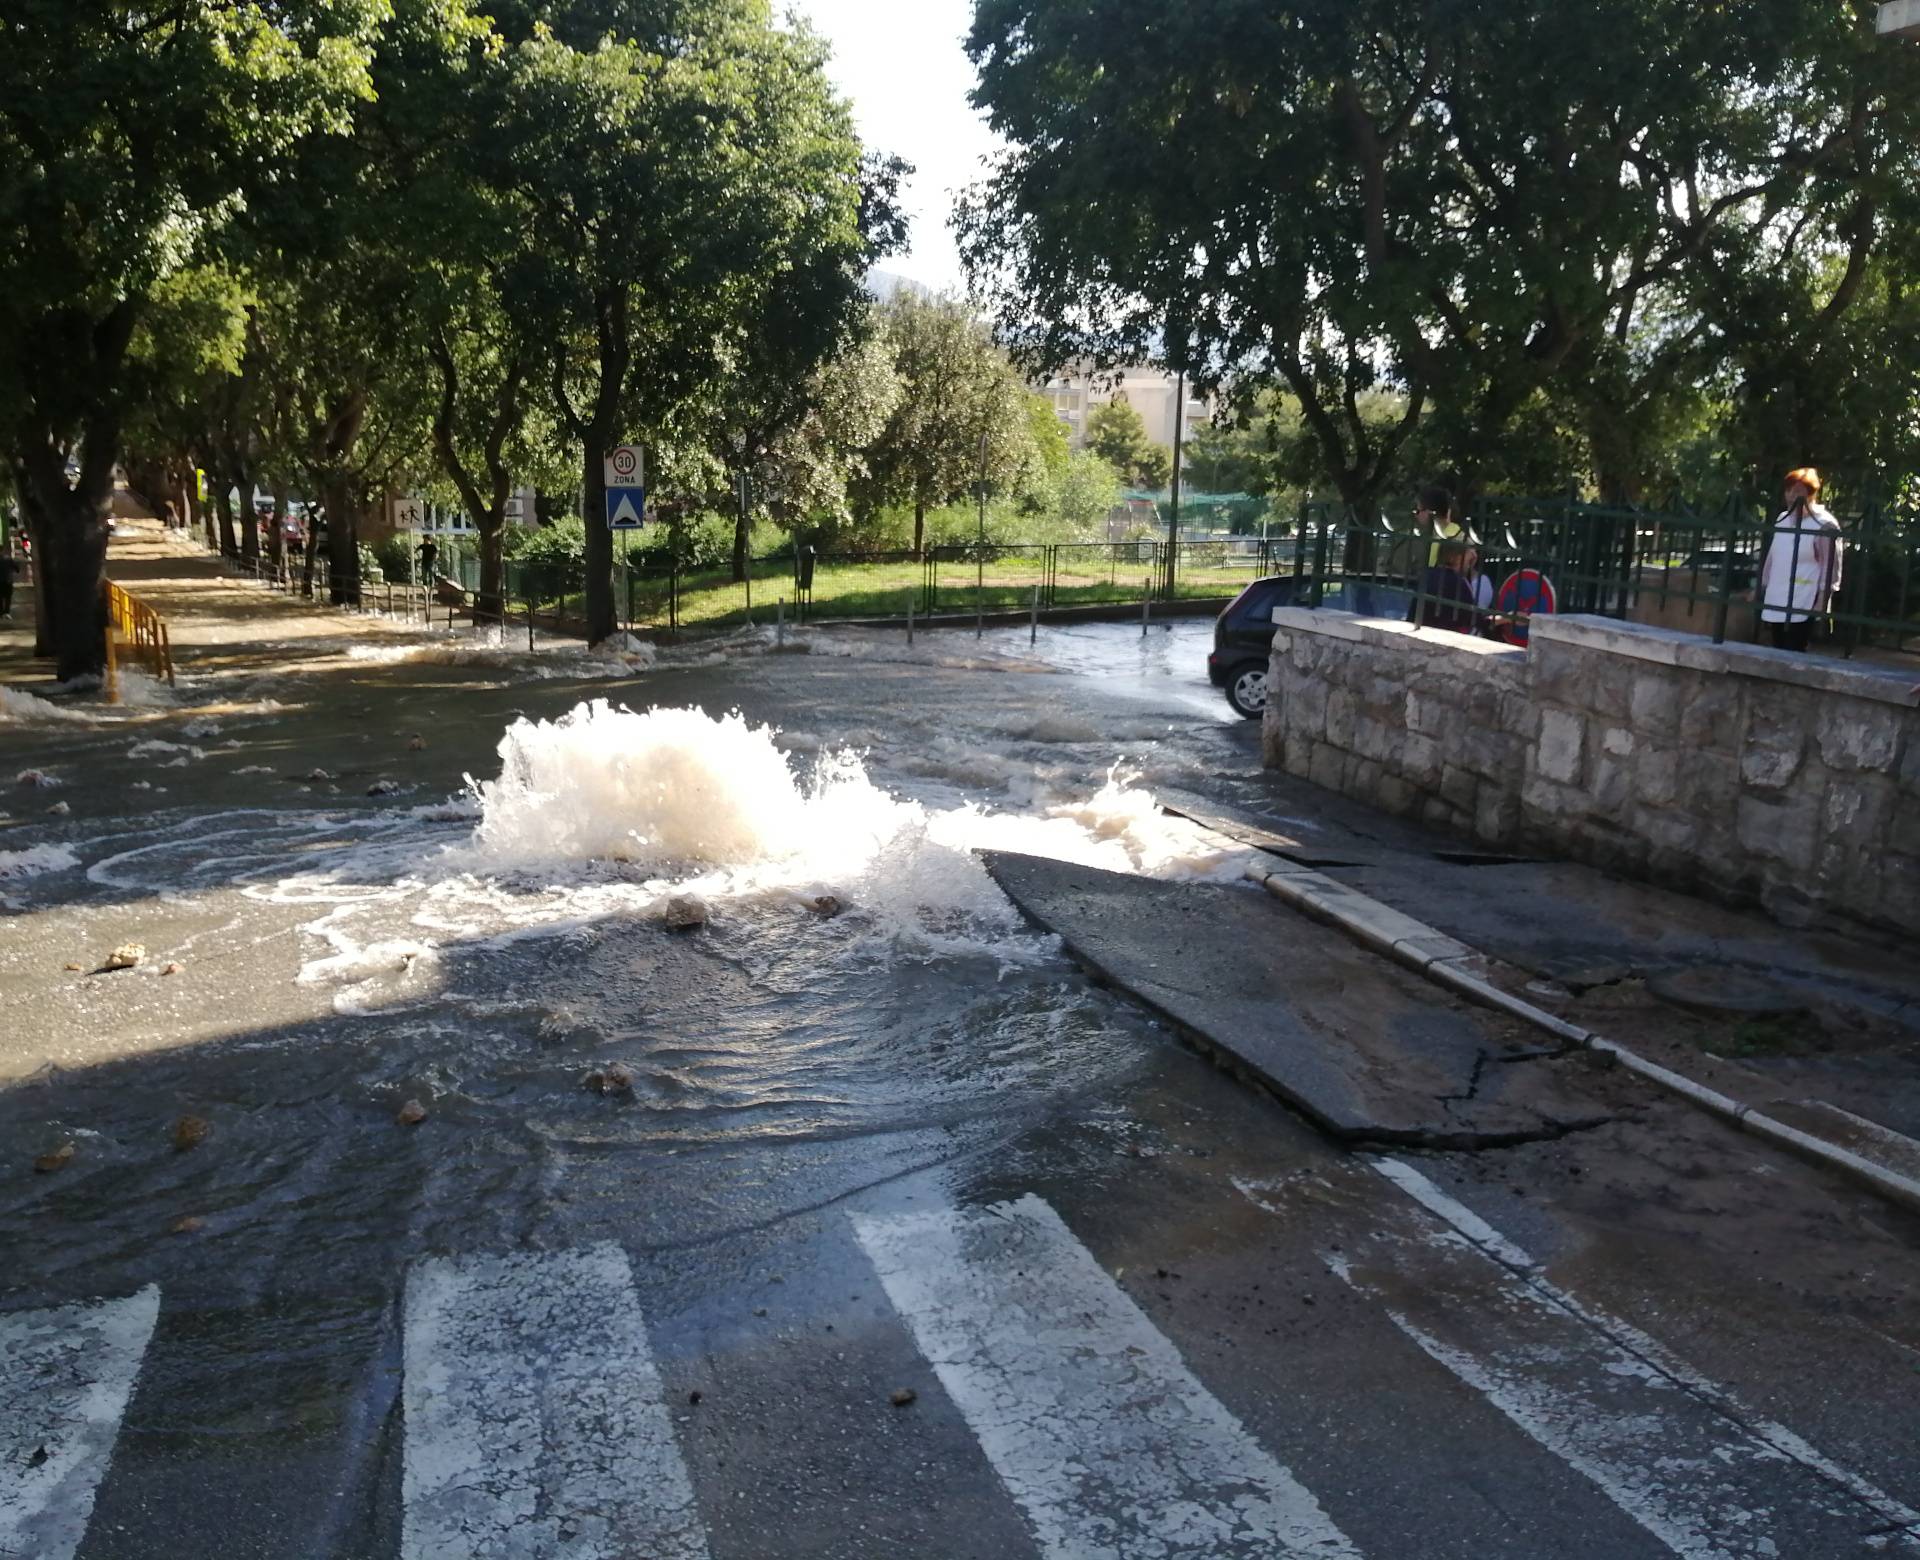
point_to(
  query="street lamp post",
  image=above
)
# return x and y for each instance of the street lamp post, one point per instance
(980, 547)
(1173, 505)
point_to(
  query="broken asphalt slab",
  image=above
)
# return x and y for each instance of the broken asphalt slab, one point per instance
(1367, 1051)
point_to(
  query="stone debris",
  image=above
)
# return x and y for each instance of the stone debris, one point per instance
(127, 956)
(826, 906)
(903, 1397)
(187, 1224)
(616, 1078)
(190, 1132)
(39, 779)
(61, 809)
(416, 743)
(170, 968)
(317, 774)
(684, 912)
(54, 1158)
(384, 788)
(411, 1114)
(74, 964)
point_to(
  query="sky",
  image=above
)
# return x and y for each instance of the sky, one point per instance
(901, 64)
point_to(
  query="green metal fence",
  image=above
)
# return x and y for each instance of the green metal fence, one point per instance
(1695, 568)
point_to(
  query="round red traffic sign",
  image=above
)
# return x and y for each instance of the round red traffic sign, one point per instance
(1521, 595)
(625, 463)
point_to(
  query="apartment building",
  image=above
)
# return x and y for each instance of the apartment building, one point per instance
(1148, 391)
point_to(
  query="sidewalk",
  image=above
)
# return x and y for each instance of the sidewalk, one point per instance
(220, 626)
(1817, 1031)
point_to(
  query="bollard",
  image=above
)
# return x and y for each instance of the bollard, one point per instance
(780, 625)
(1146, 596)
(1033, 623)
(909, 625)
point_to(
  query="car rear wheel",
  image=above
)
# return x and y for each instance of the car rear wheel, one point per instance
(1247, 689)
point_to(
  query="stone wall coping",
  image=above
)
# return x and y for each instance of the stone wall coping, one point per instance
(1674, 647)
(1388, 631)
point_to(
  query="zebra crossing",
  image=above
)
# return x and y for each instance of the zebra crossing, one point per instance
(535, 1422)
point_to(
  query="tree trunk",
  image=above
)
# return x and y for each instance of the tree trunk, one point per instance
(277, 540)
(69, 526)
(490, 601)
(249, 517)
(742, 533)
(343, 536)
(223, 507)
(602, 619)
(74, 571)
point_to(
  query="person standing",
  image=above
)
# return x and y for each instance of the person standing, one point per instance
(9, 567)
(1801, 570)
(429, 557)
(1445, 599)
(1481, 584)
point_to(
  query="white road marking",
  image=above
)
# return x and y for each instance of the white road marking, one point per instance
(65, 1377)
(534, 1420)
(1670, 1448)
(1649, 1348)
(1087, 1412)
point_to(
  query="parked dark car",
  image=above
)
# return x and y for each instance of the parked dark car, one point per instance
(1243, 634)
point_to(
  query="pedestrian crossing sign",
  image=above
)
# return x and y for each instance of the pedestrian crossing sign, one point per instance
(626, 508)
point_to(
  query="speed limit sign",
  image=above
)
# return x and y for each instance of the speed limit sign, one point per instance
(625, 467)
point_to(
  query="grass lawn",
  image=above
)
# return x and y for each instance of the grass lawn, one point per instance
(709, 599)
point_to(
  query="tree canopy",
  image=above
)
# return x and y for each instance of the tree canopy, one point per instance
(1607, 216)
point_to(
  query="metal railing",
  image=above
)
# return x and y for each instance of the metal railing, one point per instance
(145, 634)
(1700, 570)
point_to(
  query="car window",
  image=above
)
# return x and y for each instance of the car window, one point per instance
(1260, 600)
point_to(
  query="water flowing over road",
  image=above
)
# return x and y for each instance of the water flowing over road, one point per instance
(598, 1104)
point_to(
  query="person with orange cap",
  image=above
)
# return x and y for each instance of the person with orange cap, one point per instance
(1801, 571)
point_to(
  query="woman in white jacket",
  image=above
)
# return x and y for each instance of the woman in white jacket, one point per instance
(1801, 571)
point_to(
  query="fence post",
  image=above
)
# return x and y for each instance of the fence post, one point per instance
(1725, 593)
(1146, 598)
(909, 622)
(780, 625)
(1033, 623)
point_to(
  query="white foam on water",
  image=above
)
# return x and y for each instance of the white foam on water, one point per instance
(18, 705)
(138, 691)
(610, 810)
(34, 860)
(621, 656)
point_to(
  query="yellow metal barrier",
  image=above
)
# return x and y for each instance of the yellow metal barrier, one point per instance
(145, 633)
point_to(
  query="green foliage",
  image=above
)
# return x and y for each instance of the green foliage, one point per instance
(1371, 205)
(1117, 433)
(962, 417)
(562, 543)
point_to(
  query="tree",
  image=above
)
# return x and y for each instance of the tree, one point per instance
(129, 137)
(805, 473)
(1089, 490)
(961, 421)
(1117, 433)
(679, 166)
(1362, 198)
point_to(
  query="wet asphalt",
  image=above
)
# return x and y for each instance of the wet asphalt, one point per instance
(796, 1074)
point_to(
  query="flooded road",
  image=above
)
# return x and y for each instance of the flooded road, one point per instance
(774, 1189)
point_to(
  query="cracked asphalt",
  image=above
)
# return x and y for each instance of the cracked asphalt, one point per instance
(912, 1236)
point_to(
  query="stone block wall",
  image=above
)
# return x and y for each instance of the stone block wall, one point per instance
(1750, 774)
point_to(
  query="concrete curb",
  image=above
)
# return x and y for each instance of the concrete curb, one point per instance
(1460, 968)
